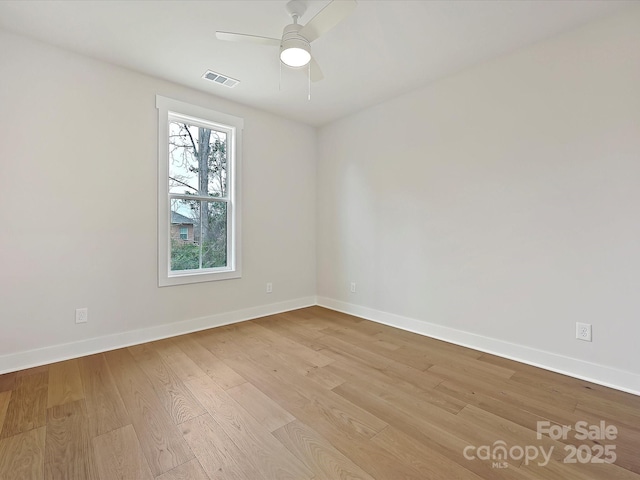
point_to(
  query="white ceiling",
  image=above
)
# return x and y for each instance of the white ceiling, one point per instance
(384, 48)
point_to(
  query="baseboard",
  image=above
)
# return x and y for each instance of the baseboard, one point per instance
(592, 372)
(57, 353)
(573, 367)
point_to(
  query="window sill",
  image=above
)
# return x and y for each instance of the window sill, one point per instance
(200, 277)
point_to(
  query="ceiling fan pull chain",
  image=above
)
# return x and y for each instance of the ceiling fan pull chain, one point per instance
(280, 78)
(309, 80)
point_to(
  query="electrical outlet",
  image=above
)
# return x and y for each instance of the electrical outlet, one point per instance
(353, 287)
(82, 315)
(269, 287)
(583, 331)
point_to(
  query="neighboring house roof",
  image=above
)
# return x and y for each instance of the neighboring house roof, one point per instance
(176, 218)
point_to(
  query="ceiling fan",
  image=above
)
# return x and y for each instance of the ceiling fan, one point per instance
(295, 44)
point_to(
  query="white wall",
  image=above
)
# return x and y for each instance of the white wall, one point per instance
(78, 169)
(499, 206)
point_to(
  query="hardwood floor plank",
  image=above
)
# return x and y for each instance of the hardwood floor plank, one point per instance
(613, 412)
(428, 344)
(293, 348)
(213, 366)
(141, 351)
(119, 456)
(267, 412)
(336, 317)
(350, 333)
(255, 442)
(295, 366)
(4, 405)
(324, 378)
(241, 335)
(377, 363)
(65, 384)
(8, 381)
(626, 443)
(376, 462)
(299, 361)
(217, 342)
(442, 432)
(333, 345)
(554, 471)
(410, 357)
(429, 463)
(178, 361)
(502, 429)
(465, 365)
(308, 313)
(22, 456)
(518, 394)
(371, 329)
(68, 452)
(28, 405)
(404, 395)
(105, 408)
(583, 391)
(251, 338)
(377, 381)
(174, 395)
(413, 376)
(340, 430)
(527, 418)
(324, 460)
(331, 406)
(191, 470)
(218, 455)
(556, 383)
(528, 415)
(32, 371)
(161, 442)
(514, 434)
(285, 326)
(385, 344)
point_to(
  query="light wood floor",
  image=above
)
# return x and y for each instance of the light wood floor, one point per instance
(310, 394)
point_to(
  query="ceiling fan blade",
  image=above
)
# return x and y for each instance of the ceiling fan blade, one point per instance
(241, 37)
(327, 18)
(316, 72)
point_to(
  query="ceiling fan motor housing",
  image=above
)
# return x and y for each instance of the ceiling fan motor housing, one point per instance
(291, 39)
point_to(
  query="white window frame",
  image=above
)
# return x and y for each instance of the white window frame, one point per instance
(232, 126)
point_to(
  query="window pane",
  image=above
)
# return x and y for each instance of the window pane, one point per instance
(183, 161)
(214, 234)
(217, 166)
(185, 253)
(197, 160)
(198, 234)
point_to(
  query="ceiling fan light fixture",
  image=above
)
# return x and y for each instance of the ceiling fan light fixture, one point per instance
(295, 43)
(295, 52)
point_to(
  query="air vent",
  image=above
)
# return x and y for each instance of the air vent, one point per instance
(220, 79)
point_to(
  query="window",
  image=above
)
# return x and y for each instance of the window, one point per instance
(198, 198)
